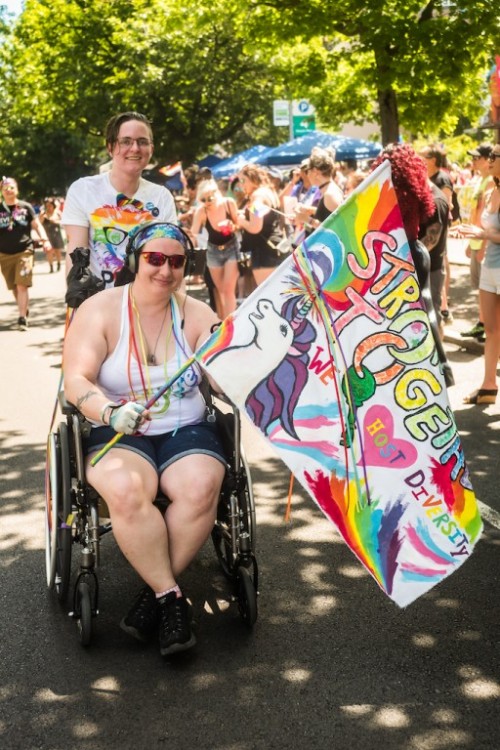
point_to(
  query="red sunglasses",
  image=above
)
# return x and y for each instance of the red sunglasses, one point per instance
(159, 259)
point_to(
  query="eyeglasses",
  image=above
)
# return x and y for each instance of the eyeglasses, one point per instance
(113, 235)
(208, 199)
(127, 142)
(159, 259)
(493, 156)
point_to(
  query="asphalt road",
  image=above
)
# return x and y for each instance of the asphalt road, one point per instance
(331, 663)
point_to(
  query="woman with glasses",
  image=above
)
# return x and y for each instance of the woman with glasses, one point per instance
(489, 281)
(101, 210)
(219, 216)
(122, 345)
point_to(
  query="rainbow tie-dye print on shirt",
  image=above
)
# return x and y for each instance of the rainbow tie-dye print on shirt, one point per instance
(110, 227)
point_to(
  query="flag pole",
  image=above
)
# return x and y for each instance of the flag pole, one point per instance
(154, 398)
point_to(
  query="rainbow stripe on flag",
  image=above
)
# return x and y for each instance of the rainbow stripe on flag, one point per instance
(333, 360)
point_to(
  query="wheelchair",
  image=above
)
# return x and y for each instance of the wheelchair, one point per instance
(75, 517)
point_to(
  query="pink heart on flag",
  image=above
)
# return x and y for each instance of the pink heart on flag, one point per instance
(381, 447)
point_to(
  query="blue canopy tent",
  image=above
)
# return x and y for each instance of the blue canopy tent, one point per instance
(210, 161)
(300, 148)
(235, 163)
(174, 183)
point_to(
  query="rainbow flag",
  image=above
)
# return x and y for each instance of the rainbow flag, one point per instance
(169, 170)
(259, 209)
(333, 359)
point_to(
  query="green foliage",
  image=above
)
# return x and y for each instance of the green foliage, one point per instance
(71, 64)
(430, 59)
(206, 73)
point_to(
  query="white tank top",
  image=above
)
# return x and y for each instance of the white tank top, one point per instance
(491, 221)
(181, 405)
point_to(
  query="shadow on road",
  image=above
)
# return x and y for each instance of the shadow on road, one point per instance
(331, 660)
(332, 663)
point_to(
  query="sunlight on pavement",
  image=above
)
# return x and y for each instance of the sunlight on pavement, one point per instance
(107, 685)
(423, 640)
(440, 739)
(392, 717)
(297, 675)
(353, 571)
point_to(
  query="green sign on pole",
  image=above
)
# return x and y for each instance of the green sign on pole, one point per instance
(303, 117)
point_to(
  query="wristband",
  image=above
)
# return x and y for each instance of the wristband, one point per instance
(105, 412)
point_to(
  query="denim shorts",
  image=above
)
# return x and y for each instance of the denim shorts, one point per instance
(163, 450)
(217, 258)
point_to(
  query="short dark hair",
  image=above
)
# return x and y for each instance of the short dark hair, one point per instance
(436, 152)
(114, 124)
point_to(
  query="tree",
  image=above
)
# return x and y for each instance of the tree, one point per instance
(413, 65)
(70, 64)
(206, 73)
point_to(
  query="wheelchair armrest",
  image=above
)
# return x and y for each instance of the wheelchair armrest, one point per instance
(66, 408)
(219, 396)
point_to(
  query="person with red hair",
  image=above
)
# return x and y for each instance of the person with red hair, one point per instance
(425, 227)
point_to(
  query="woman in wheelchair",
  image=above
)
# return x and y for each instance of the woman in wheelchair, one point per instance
(123, 344)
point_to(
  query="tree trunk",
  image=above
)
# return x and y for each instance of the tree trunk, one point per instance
(389, 121)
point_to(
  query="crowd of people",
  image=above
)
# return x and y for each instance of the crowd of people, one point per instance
(126, 341)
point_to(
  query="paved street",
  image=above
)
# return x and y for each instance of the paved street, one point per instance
(331, 664)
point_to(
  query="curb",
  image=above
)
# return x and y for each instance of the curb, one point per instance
(469, 344)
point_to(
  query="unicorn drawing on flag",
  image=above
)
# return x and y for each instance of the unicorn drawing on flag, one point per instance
(277, 395)
(272, 363)
(271, 337)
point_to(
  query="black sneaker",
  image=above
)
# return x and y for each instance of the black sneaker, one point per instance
(175, 626)
(22, 324)
(476, 332)
(142, 620)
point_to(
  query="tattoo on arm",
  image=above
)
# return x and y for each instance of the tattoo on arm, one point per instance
(85, 398)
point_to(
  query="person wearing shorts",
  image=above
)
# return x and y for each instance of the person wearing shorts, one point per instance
(219, 216)
(17, 220)
(489, 282)
(260, 221)
(122, 346)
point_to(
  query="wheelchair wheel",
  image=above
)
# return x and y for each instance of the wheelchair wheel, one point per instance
(221, 538)
(247, 596)
(52, 501)
(247, 504)
(222, 532)
(58, 511)
(84, 613)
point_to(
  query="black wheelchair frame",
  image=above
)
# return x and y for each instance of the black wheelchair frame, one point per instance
(73, 518)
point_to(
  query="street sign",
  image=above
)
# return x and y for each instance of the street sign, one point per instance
(304, 117)
(281, 112)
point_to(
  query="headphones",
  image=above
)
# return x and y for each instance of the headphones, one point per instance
(133, 249)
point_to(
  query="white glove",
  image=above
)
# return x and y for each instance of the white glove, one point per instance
(127, 418)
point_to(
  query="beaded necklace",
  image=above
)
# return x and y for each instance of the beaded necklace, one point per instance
(141, 358)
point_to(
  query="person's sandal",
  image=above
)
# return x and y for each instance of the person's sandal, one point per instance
(482, 396)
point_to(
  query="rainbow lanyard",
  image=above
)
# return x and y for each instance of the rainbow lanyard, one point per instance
(141, 358)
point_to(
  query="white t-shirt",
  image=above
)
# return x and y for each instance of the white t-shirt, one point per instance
(94, 203)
